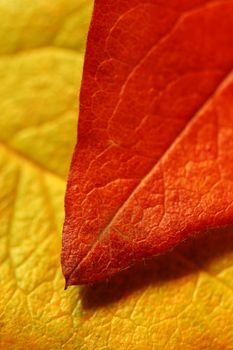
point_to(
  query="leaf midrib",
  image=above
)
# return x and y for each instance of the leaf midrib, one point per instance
(21, 158)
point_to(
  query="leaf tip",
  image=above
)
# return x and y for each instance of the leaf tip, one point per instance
(66, 284)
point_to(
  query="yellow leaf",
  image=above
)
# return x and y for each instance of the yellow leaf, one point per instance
(182, 300)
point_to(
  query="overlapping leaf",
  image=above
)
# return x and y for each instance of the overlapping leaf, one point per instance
(153, 163)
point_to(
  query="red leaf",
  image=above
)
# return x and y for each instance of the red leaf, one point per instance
(154, 160)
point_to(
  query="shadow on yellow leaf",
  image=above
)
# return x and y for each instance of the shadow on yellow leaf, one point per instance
(208, 253)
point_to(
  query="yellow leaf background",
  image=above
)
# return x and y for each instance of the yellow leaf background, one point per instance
(181, 300)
